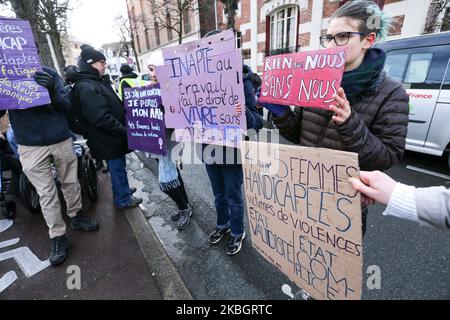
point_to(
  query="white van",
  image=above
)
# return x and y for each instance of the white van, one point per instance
(422, 65)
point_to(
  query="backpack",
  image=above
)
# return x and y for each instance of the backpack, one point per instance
(74, 119)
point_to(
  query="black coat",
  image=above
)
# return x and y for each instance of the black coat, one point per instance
(376, 129)
(103, 113)
(43, 125)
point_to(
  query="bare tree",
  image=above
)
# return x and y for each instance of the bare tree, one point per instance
(46, 17)
(52, 19)
(126, 29)
(436, 7)
(231, 6)
(170, 15)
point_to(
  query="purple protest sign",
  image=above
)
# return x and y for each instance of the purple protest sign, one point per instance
(201, 83)
(145, 119)
(19, 60)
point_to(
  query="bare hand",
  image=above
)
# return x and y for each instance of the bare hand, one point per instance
(374, 185)
(238, 109)
(342, 109)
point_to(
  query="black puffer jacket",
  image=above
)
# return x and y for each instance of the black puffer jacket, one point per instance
(103, 112)
(376, 129)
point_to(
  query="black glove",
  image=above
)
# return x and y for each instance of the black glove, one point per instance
(44, 79)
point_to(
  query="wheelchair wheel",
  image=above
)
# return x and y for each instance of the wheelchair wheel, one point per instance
(90, 178)
(29, 195)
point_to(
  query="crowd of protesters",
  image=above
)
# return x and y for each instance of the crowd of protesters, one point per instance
(369, 116)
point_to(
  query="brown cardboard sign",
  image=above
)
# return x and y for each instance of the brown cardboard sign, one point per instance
(305, 217)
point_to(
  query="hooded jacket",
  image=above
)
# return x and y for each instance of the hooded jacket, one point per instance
(43, 125)
(102, 112)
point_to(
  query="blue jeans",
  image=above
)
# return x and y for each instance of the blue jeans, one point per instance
(226, 182)
(119, 181)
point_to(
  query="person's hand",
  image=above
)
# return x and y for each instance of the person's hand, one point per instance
(341, 109)
(44, 79)
(276, 109)
(238, 109)
(374, 185)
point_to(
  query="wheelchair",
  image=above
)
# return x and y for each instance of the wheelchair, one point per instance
(7, 207)
(87, 176)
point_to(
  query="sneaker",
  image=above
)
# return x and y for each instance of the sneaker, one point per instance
(218, 235)
(185, 218)
(235, 245)
(80, 222)
(133, 203)
(59, 250)
(177, 214)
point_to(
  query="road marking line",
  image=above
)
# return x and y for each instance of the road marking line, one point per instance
(429, 172)
(7, 280)
(27, 261)
(9, 243)
(5, 225)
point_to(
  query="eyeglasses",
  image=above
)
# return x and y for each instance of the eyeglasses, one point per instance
(341, 38)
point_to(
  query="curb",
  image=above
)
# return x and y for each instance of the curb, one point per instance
(166, 275)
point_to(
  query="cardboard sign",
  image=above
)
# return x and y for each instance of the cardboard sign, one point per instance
(307, 79)
(19, 60)
(145, 119)
(201, 83)
(304, 216)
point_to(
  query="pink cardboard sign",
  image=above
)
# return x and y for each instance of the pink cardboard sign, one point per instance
(201, 82)
(307, 79)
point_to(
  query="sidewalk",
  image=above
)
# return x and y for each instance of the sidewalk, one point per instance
(122, 260)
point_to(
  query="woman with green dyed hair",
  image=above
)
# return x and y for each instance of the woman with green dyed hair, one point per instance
(369, 114)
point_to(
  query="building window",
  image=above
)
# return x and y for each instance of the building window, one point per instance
(186, 21)
(158, 39)
(138, 44)
(169, 26)
(283, 31)
(133, 15)
(147, 38)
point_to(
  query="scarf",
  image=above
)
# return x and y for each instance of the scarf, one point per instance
(363, 80)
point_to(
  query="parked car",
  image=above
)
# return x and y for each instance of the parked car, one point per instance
(422, 65)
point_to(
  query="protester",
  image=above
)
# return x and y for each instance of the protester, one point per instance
(129, 79)
(104, 116)
(370, 111)
(428, 206)
(226, 176)
(169, 177)
(43, 138)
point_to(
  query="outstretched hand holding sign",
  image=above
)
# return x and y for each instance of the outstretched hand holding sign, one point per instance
(341, 108)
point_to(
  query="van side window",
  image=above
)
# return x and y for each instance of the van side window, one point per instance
(418, 67)
(395, 66)
(446, 84)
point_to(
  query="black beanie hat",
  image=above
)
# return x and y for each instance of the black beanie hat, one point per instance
(126, 69)
(90, 55)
